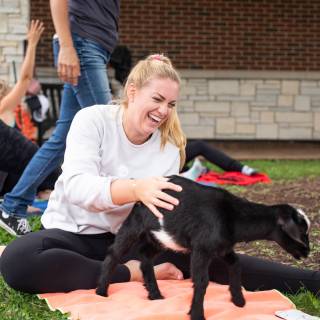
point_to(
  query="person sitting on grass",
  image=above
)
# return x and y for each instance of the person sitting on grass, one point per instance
(196, 148)
(117, 155)
(16, 149)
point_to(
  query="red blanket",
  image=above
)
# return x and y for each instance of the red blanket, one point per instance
(233, 178)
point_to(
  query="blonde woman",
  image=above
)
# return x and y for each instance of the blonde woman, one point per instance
(117, 155)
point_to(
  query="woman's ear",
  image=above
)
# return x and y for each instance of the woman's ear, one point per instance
(131, 91)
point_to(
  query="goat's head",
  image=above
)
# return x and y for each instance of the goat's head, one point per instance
(292, 230)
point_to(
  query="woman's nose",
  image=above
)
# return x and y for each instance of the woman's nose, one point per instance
(163, 109)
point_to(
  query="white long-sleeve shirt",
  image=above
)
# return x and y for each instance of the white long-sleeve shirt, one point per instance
(98, 152)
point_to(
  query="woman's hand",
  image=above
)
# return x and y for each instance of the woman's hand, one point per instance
(68, 65)
(149, 192)
(35, 30)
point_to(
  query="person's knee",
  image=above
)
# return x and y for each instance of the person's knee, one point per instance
(14, 267)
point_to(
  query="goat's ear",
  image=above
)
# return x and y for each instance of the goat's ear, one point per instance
(289, 226)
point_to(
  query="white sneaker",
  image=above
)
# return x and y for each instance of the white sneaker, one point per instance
(195, 171)
(248, 171)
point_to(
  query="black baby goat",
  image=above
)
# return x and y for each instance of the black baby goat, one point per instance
(207, 223)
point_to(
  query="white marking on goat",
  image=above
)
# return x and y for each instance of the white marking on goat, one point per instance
(302, 213)
(167, 241)
(161, 222)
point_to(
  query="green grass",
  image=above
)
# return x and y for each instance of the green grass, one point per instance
(282, 169)
(287, 169)
(18, 306)
(22, 306)
(306, 302)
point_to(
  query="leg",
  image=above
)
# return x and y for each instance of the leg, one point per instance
(54, 260)
(92, 89)
(109, 265)
(47, 159)
(125, 238)
(263, 274)
(148, 251)
(50, 180)
(199, 273)
(200, 148)
(234, 279)
(12, 179)
(16, 150)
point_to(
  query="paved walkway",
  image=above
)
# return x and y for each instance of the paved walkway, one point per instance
(245, 150)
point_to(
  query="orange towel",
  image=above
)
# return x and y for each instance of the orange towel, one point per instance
(128, 301)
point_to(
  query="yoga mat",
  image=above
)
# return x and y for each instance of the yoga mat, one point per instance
(128, 301)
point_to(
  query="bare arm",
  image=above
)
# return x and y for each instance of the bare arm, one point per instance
(68, 61)
(13, 98)
(148, 190)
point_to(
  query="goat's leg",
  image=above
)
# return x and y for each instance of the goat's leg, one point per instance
(199, 273)
(235, 279)
(123, 242)
(108, 266)
(148, 251)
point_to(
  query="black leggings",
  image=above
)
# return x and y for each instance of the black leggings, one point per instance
(58, 261)
(197, 148)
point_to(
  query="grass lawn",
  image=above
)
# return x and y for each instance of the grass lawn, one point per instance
(17, 306)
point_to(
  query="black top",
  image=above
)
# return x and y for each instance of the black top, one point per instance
(95, 20)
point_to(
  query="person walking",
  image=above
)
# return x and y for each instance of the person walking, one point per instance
(86, 34)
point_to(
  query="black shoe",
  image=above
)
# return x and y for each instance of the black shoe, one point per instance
(14, 225)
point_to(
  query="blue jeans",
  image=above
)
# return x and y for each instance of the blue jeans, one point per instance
(93, 88)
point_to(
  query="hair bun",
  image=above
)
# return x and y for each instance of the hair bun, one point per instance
(159, 57)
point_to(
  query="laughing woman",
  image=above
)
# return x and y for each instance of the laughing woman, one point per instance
(117, 155)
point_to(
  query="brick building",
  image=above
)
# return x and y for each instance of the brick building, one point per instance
(250, 68)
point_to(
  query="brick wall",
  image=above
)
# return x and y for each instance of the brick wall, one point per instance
(40, 9)
(248, 57)
(219, 34)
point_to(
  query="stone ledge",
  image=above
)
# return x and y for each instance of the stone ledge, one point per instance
(50, 72)
(250, 74)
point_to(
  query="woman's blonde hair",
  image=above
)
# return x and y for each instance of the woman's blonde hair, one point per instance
(4, 88)
(159, 66)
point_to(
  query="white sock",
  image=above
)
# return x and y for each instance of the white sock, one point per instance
(195, 171)
(248, 171)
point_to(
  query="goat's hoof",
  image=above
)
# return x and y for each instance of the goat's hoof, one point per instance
(196, 315)
(101, 291)
(239, 301)
(197, 318)
(156, 296)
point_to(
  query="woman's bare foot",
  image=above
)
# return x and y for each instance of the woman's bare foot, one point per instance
(33, 210)
(44, 195)
(163, 271)
(2, 249)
